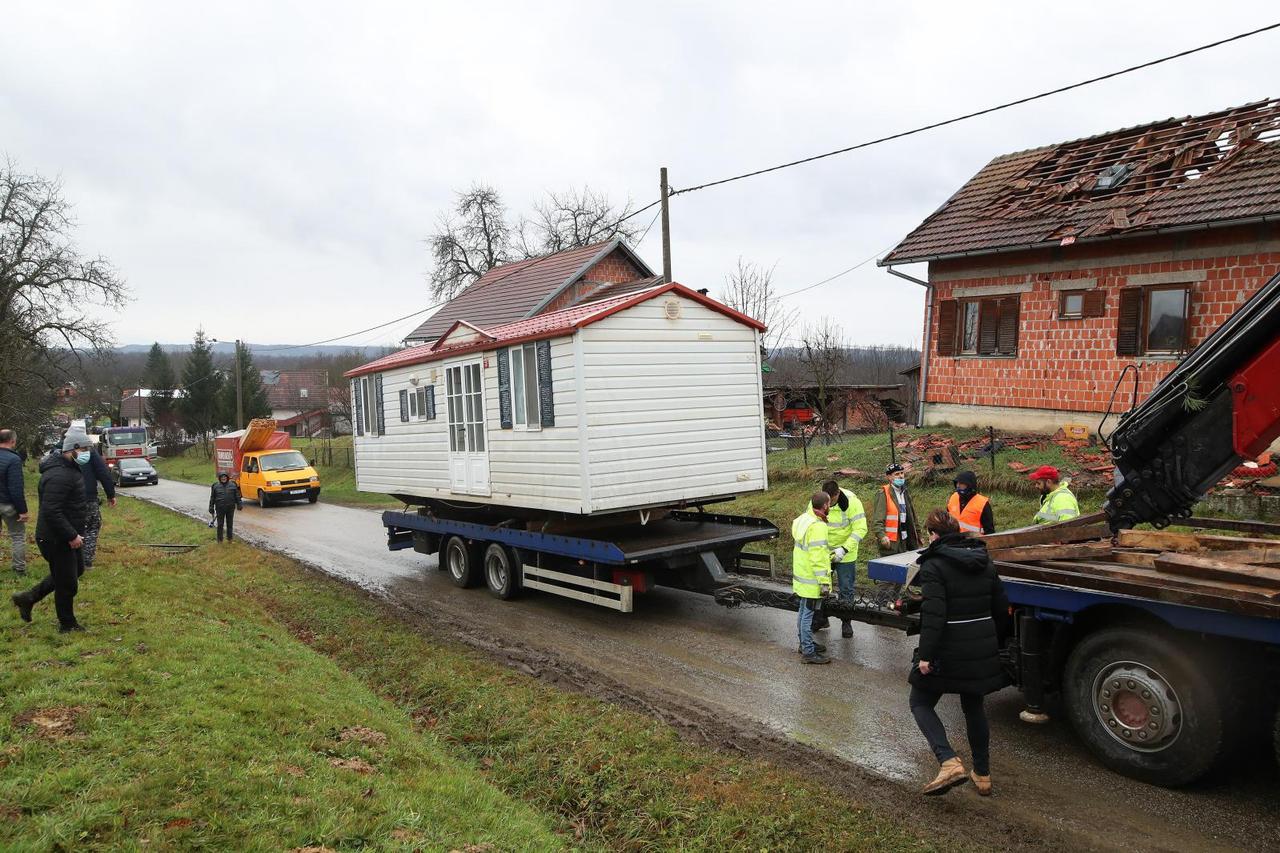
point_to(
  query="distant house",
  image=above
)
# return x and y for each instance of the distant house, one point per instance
(300, 399)
(133, 406)
(1053, 270)
(524, 289)
(849, 407)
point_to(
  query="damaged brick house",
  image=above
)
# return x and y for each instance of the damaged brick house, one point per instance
(1052, 270)
(524, 289)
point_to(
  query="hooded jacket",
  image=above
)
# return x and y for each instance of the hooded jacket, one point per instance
(11, 489)
(963, 618)
(62, 500)
(225, 496)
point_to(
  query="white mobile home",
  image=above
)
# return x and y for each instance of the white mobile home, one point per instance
(643, 400)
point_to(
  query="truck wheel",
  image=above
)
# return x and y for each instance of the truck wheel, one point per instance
(458, 559)
(501, 572)
(1145, 706)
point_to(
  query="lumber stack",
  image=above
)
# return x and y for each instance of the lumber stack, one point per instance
(1235, 574)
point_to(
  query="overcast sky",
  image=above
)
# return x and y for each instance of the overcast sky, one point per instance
(270, 170)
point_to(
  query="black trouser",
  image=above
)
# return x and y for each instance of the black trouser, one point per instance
(66, 564)
(226, 517)
(923, 703)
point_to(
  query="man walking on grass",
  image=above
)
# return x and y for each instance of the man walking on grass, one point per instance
(13, 499)
(60, 529)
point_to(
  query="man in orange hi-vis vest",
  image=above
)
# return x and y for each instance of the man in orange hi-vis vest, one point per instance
(893, 517)
(971, 509)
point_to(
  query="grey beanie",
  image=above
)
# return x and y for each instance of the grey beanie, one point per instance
(74, 441)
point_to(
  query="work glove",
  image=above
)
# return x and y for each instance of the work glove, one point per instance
(837, 556)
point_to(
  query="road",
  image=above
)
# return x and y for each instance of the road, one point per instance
(681, 649)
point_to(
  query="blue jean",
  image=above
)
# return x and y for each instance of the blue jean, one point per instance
(846, 574)
(804, 621)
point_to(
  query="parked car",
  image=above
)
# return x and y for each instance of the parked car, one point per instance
(131, 472)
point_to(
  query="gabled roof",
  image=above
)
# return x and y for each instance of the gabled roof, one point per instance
(553, 325)
(1215, 169)
(284, 387)
(514, 291)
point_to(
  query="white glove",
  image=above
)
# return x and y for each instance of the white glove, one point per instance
(837, 556)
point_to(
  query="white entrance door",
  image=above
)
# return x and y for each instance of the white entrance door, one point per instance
(468, 448)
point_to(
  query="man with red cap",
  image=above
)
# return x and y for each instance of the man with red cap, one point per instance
(1056, 501)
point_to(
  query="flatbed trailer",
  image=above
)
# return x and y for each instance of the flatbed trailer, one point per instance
(1158, 690)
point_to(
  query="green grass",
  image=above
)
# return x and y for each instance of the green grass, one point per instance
(208, 700)
(337, 481)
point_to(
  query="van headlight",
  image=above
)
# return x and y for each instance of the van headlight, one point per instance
(273, 482)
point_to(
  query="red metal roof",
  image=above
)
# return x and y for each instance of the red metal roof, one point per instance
(1221, 167)
(513, 291)
(553, 325)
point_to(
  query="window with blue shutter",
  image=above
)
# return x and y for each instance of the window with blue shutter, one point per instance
(431, 402)
(546, 399)
(504, 390)
(379, 406)
(404, 406)
(359, 407)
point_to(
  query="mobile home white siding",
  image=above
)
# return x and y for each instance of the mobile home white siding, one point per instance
(673, 407)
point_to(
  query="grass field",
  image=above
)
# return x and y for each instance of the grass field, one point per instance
(230, 699)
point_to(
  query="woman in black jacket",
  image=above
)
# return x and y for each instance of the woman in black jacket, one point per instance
(962, 620)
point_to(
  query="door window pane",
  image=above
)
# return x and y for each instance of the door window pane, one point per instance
(517, 386)
(969, 329)
(1166, 320)
(531, 386)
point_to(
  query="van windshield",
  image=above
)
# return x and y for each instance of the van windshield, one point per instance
(287, 461)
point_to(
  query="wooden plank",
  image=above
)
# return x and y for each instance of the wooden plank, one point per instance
(1218, 569)
(1157, 578)
(1171, 595)
(1189, 543)
(1048, 534)
(1256, 527)
(1034, 553)
(1134, 558)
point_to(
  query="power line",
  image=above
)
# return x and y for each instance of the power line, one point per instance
(982, 112)
(861, 263)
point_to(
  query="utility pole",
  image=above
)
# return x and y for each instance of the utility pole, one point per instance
(666, 226)
(239, 390)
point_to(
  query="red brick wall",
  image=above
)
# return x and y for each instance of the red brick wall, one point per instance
(613, 268)
(1072, 365)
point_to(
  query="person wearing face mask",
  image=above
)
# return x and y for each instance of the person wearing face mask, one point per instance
(811, 572)
(60, 527)
(94, 471)
(964, 617)
(893, 515)
(971, 509)
(1056, 501)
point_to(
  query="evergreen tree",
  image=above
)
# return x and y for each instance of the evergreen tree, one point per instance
(158, 377)
(253, 393)
(201, 383)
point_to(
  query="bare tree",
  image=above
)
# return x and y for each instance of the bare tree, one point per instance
(46, 290)
(573, 218)
(749, 289)
(824, 355)
(470, 242)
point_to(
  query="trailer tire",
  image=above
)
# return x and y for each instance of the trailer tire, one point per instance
(501, 572)
(1123, 684)
(1275, 736)
(458, 558)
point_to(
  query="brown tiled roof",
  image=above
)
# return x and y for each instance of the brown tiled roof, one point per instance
(1212, 169)
(609, 291)
(284, 388)
(514, 291)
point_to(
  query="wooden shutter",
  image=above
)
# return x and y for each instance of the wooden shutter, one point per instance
(1129, 323)
(504, 389)
(404, 406)
(359, 406)
(988, 325)
(946, 343)
(431, 402)
(379, 407)
(1095, 303)
(1186, 321)
(546, 394)
(1007, 331)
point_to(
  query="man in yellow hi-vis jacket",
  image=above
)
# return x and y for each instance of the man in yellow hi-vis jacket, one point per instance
(846, 528)
(811, 571)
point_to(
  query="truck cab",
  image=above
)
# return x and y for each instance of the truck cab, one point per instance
(276, 476)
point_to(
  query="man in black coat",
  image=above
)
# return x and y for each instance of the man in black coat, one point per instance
(963, 617)
(224, 500)
(60, 529)
(13, 499)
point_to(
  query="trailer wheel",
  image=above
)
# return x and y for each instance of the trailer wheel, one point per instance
(457, 557)
(1145, 706)
(1275, 736)
(501, 572)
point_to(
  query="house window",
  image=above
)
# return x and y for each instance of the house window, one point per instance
(1071, 305)
(525, 413)
(413, 405)
(1154, 321)
(978, 327)
(418, 407)
(302, 392)
(368, 391)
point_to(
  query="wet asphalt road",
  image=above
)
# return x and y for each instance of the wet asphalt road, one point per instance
(744, 661)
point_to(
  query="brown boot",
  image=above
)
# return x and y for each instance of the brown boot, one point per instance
(950, 774)
(982, 783)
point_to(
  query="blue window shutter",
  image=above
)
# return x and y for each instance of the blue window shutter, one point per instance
(546, 394)
(359, 407)
(504, 389)
(431, 402)
(379, 406)
(404, 406)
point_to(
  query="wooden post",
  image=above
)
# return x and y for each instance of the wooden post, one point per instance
(666, 225)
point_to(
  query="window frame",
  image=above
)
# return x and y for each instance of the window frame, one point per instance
(994, 308)
(526, 412)
(962, 326)
(419, 412)
(368, 391)
(1063, 312)
(1144, 321)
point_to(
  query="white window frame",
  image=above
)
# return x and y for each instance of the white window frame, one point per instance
(418, 406)
(523, 409)
(368, 390)
(412, 402)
